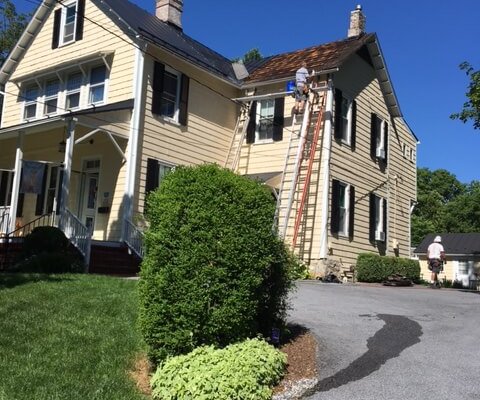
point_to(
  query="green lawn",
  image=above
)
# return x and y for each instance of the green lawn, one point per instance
(67, 337)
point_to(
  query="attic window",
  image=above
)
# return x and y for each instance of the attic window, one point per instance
(68, 23)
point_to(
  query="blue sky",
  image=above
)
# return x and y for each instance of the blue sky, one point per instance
(423, 43)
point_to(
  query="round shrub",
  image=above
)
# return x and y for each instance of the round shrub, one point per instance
(240, 371)
(47, 250)
(213, 272)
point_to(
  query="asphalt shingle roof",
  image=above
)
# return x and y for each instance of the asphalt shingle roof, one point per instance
(320, 58)
(454, 243)
(172, 38)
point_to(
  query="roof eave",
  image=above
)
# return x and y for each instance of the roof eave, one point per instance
(37, 20)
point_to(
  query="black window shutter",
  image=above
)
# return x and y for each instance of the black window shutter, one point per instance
(338, 114)
(41, 196)
(157, 87)
(372, 217)
(252, 123)
(3, 188)
(56, 27)
(353, 139)
(152, 175)
(385, 137)
(385, 218)
(351, 212)
(80, 19)
(373, 136)
(278, 119)
(335, 219)
(183, 114)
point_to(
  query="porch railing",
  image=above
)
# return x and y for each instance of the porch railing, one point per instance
(4, 219)
(78, 234)
(134, 238)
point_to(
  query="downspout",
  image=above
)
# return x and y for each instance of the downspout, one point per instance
(325, 167)
(16, 180)
(132, 159)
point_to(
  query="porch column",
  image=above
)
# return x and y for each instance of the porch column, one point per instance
(16, 180)
(67, 168)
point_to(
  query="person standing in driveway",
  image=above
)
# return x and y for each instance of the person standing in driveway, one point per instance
(436, 258)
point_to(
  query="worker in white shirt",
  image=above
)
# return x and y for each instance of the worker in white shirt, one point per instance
(436, 259)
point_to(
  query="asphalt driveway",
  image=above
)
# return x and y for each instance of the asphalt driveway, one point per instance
(379, 342)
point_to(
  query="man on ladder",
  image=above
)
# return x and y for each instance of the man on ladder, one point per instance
(301, 90)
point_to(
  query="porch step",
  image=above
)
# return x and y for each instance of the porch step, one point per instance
(113, 260)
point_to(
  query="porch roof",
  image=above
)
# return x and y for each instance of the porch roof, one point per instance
(59, 120)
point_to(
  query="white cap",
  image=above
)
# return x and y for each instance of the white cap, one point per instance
(437, 239)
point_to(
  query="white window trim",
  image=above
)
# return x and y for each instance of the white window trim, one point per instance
(65, 6)
(379, 209)
(46, 98)
(257, 124)
(29, 103)
(380, 145)
(176, 114)
(344, 230)
(89, 86)
(348, 139)
(67, 92)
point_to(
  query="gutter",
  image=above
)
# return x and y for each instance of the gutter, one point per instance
(286, 79)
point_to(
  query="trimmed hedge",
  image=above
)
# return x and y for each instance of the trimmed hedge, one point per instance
(213, 272)
(240, 371)
(374, 268)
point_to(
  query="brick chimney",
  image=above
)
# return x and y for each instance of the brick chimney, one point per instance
(357, 22)
(170, 11)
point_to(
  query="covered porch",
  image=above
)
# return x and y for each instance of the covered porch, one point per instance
(68, 171)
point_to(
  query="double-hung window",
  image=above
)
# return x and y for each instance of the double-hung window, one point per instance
(170, 89)
(52, 88)
(379, 138)
(378, 218)
(97, 84)
(68, 23)
(73, 87)
(264, 120)
(30, 106)
(345, 119)
(342, 210)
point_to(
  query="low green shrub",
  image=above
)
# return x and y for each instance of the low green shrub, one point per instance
(46, 250)
(240, 371)
(51, 263)
(374, 268)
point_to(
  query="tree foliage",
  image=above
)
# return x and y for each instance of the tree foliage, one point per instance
(444, 205)
(471, 108)
(251, 55)
(12, 25)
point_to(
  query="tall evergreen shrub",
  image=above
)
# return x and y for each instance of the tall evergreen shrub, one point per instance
(213, 273)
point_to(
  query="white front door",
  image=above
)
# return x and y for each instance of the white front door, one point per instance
(88, 193)
(464, 272)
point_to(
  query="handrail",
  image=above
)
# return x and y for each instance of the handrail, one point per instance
(134, 238)
(78, 234)
(42, 220)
